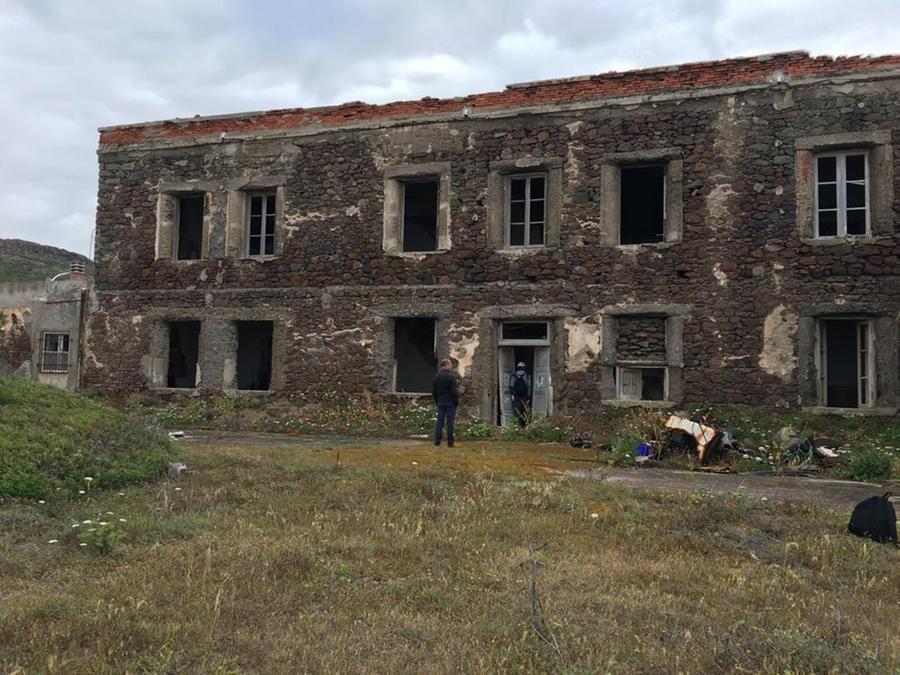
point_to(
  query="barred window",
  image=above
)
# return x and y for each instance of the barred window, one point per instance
(55, 353)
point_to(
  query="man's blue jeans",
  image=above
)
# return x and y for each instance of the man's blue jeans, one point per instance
(445, 411)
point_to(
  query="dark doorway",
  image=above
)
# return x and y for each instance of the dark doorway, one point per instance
(184, 349)
(642, 204)
(420, 211)
(190, 227)
(842, 364)
(254, 355)
(414, 355)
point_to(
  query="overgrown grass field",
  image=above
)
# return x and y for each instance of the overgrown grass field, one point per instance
(288, 559)
(57, 443)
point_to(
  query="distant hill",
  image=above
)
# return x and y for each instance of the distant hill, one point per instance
(27, 261)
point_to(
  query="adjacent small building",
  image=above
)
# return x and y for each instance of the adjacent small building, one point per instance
(722, 231)
(41, 326)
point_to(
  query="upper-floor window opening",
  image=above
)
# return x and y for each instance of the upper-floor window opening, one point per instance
(190, 226)
(420, 215)
(842, 194)
(643, 204)
(526, 210)
(261, 224)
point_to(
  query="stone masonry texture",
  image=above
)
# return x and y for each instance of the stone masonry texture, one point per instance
(747, 276)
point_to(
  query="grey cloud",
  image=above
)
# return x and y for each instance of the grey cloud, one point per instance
(69, 66)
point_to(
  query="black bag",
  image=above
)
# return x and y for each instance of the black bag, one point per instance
(520, 386)
(875, 518)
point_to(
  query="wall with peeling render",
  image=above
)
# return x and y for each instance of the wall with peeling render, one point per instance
(742, 267)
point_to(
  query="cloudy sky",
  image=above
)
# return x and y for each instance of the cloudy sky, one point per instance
(70, 66)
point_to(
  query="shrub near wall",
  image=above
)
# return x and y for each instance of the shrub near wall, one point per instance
(54, 442)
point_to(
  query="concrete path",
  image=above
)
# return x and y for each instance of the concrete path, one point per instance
(836, 494)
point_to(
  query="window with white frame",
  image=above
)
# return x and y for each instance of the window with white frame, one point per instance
(525, 212)
(261, 224)
(842, 194)
(55, 353)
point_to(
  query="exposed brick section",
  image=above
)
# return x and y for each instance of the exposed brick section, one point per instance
(641, 339)
(722, 73)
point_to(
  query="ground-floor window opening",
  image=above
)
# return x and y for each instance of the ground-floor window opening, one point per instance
(184, 351)
(641, 384)
(254, 355)
(846, 362)
(415, 357)
(55, 353)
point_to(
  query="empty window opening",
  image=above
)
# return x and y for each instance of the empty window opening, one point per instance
(842, 194)
(525, 210)
(261, 225)
(55, 353)
(415, 358)
(190, 227)
(254, 355)
(524, 330)
(184, 349)
(845, 362)
(641, 384)
(420, 215)
(642, 204)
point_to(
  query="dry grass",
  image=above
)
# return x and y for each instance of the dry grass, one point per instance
(282, 560)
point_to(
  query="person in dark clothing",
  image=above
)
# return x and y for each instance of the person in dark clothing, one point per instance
(446, 398)
(520, 388)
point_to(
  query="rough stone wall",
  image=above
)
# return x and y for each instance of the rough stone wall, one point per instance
(641, 339)
(15, 338)
(740, 255)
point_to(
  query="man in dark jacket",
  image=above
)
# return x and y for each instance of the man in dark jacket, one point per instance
(446, 398)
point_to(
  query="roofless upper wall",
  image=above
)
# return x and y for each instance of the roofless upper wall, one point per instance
(738, 72)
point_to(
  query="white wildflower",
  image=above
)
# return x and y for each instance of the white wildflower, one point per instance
(41, 501)
(53, 541)
(82, 544)
(88, 478)
(122, 520)
(86, 522)
(103, 522)
(81, 492)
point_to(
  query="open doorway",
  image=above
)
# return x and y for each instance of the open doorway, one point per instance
(845, 362)
(526, 343)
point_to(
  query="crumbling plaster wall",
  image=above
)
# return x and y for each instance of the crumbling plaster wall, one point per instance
(738, 257)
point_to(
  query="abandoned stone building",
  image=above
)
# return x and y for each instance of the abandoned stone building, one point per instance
(711, 232)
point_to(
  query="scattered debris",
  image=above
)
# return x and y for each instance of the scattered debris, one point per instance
(176, 434)
(704, 436)
(176, 469)
(875, 518)
(582, 440)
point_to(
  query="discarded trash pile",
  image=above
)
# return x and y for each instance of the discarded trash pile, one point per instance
(713, 447)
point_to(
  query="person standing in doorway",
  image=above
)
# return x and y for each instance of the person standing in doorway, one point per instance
(445, 394)
(520, 388)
